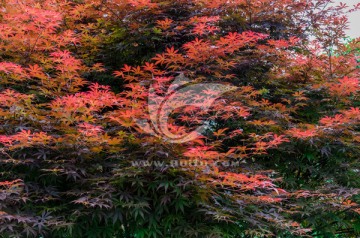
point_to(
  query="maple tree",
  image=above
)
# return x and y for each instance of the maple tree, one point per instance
(279, 150)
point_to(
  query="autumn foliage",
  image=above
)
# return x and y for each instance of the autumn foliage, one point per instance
(279, 152)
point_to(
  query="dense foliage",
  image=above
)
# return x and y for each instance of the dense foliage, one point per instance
(279, 153)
